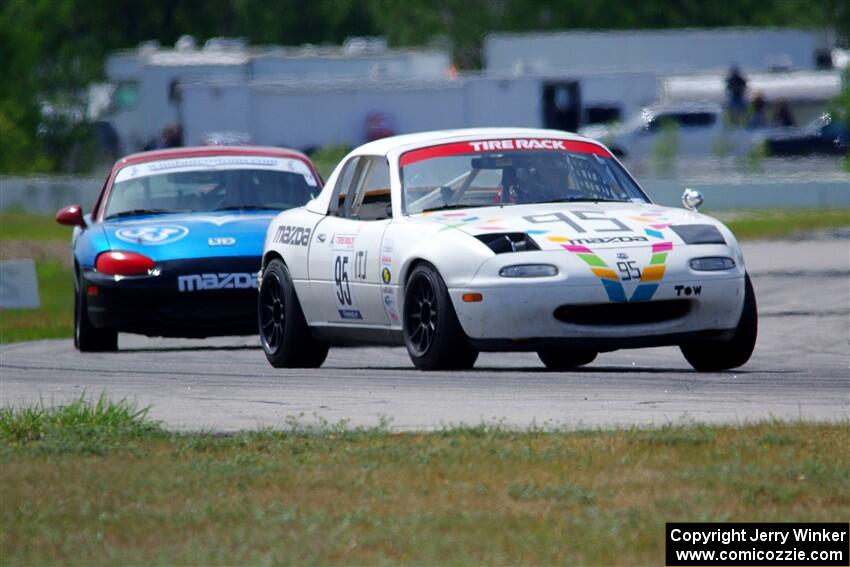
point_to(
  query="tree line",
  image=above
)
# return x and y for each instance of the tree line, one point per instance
(53, 48)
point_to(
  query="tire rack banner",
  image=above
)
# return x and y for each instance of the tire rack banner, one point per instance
(510, 144)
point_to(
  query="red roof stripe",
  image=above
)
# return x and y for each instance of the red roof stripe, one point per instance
(485, 146)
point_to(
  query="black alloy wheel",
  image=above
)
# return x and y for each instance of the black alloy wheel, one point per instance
(432, 333)
(272, 313)
(421, 315)
(284, 334)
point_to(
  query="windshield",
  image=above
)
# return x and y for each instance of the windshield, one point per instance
(509, 172)
(211, 184)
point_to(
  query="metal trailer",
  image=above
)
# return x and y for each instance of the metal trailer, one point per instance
(664, 51)
(147, 82)
(309, 113)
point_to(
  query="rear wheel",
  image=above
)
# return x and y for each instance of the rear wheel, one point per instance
(284, 333)
(87, 337)
(565, 359)
(432, 333)
(709, 355)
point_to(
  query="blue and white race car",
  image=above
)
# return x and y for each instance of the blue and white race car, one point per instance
(174, 241)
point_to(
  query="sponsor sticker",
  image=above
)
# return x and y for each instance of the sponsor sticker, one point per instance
(388, 292)
(521, 144)
(152, 235)
(205, 282)
(207, 163)
(688, 290)
(350, 314)
(221, 241)
(292, 235)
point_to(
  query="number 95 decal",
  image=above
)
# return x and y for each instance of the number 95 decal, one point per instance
(343, 289)
(628, 270)
(341, 268)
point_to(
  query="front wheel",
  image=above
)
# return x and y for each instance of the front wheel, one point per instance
(564, 359)
(432, 333)
(710, 356)
(284, 333)
(87, 337)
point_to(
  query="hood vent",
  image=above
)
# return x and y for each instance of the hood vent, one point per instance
(505, 242)
(698, 234)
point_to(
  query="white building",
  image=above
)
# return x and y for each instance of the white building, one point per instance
(658, 51)
(310, 112)
(148, 81)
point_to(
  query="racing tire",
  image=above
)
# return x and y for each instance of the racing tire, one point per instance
(284, 334)
(432, 334)
(714, 355)
(87, 337)
(565, 359)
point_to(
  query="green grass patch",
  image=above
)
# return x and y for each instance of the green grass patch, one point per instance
(26, 235)
(84, 426)
(327, 158)
(779, 223)
(55, 316)
(331, 495)
(28, 226)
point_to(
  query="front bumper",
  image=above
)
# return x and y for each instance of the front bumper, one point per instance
(186, 298)
(576, 306)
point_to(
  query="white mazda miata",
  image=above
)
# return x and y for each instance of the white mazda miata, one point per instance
(488, 239)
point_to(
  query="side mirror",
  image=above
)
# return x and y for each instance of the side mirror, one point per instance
(72, 215)
(692, 199)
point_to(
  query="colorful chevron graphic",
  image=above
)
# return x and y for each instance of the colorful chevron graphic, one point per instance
(650, 275)
(461, 219)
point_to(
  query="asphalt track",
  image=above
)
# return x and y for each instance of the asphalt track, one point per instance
(801, 369)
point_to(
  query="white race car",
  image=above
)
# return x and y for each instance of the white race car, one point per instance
(506, 239)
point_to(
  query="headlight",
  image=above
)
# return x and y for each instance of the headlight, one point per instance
(712, 264)
(120, 264)
(529, 271)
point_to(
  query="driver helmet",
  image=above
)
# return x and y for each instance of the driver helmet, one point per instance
(539, 178)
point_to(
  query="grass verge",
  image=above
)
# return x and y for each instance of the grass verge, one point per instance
(781, 223)
(28, 226)
(54, 318)
(126, 492)
(85, 426)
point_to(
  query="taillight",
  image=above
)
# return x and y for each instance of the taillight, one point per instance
(124, 264)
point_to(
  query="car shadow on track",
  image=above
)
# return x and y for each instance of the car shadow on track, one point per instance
(189, 348)
(607, 369)
(581, 370)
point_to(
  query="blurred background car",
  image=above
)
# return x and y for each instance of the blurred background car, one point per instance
(823, 136)
(696, 129)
